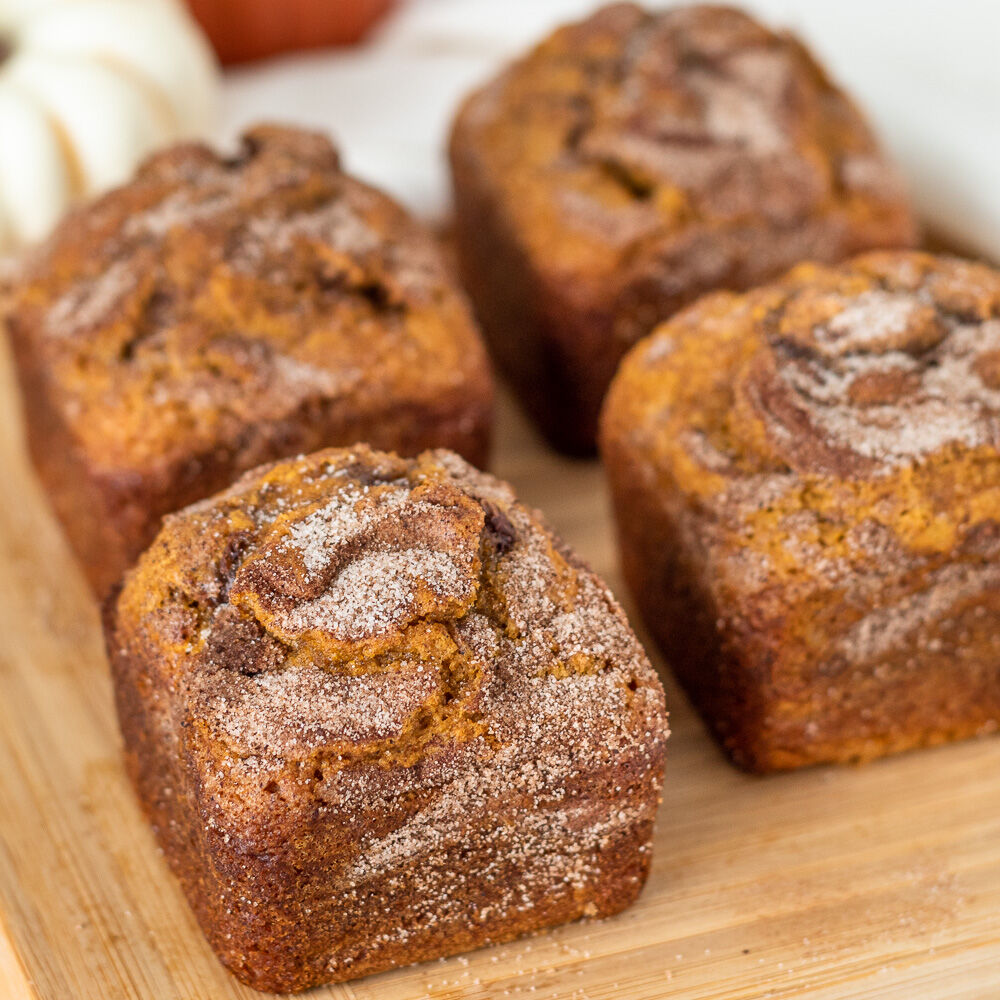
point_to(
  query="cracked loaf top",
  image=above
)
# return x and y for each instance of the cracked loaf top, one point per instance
(353, 606)
(691, 148)
(842, 415)
(211, 294)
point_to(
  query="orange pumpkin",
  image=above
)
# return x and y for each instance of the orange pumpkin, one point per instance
(241, 30)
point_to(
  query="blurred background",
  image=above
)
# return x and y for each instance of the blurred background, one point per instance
(90, 87)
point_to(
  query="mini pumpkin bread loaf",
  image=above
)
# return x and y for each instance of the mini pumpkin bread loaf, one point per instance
(807, 486)
(636, 160)
(378, 713)
(217, 313)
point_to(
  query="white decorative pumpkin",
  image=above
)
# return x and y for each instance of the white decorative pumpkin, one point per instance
(87, 89)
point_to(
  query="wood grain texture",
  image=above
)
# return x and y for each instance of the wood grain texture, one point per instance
(875, 882)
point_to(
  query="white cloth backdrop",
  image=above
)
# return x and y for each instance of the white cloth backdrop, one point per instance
(927, 71)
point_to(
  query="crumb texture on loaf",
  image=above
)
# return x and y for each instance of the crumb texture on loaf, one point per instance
(815, 467)
(636, 160)
(698, 113)
(378, 713)
(218, 312)
(212, 292)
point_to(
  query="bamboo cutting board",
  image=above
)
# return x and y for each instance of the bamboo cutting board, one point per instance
(879, 882)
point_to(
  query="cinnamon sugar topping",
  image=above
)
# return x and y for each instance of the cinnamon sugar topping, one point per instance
(890, 377)
(397, 717)
(381, 571)
(209, 295)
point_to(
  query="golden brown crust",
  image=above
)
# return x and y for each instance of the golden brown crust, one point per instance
(636, 160)
(216, 313)
(807, 477)
(378, 713)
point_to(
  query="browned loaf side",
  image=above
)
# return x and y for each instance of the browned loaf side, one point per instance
(377, 713)
(636, 160)
(807, 487)
(216, 313)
